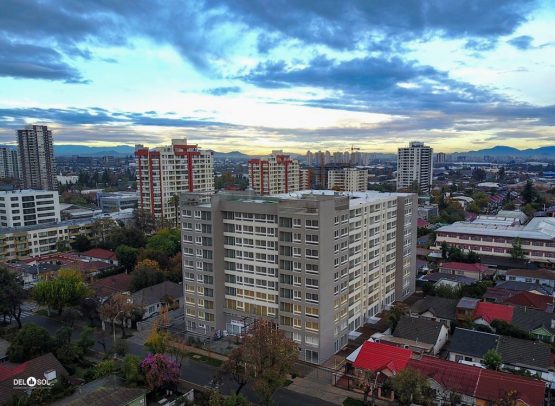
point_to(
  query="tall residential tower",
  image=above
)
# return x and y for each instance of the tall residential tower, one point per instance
(277, 173)
(36, 158)
(414, 168)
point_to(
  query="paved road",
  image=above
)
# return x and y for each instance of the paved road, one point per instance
(192, 370)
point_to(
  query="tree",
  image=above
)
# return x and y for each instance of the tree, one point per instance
(444, 250)
(367, 382)
(174, 272)
(118, 307)
(67, 289)
(30, 342)
(503, 328)
(130, 236)
(492, 359)
(410, 387)
(160, 372)
(516, 251)
(529, 193)
(147, 273)
(479, 174)
(12, 295)
(81, 243)
(144, 220)
(132, 370)
(86, 340)
(89, 308)
(104, 368)
(102, 229)
(395, 313)
(127, 256)
(267, 357)
(165, 240)
(157, 341)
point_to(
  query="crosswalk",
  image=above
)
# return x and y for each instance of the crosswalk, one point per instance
(28, 309)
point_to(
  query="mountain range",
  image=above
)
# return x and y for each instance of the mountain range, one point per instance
(124, 150)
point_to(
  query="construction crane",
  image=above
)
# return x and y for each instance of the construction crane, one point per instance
(352, 156)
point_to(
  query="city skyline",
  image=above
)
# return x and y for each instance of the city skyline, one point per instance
(294, 76)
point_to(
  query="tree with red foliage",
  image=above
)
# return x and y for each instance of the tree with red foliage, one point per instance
(160, 372)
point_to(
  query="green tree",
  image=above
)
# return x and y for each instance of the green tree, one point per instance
(86, 339)
(132, 371)
(395, 313)
(147, 273)
(12, 295)
(516, 251)
(30, 342)
(104, 368)
(410, 387)
(267, 357)
(492, 359)
(67, 289)
(529, 193)
(81, 243)
(167, 241)
(127, 256)
(130, 236)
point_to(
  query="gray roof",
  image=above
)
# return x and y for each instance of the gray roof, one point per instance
(518, 286)
(440, 307)
(418, 329)
(154, 294)
(529, 319)
(437, 276)
(472, 343)
(524, 353)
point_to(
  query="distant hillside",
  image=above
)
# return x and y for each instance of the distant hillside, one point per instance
(230, 155)
(84, 150)
(501, 150)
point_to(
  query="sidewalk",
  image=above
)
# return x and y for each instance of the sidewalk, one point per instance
(318, 390)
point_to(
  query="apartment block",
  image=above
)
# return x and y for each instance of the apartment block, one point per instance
(495, 236)
(36, 158)
(348, 179)
(20, 208)
(319, 264)
(110, 202)
(9, 163)
(277, 173)
(31, 241)
(415, 167)
(166, 171)
(305, 179)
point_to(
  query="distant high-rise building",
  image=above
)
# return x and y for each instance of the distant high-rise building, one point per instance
(9, 163)
(440, 157)
(277, 173)
(305, 180)
(36, 158)
(414, 167)
(166, 171)
(348, 179)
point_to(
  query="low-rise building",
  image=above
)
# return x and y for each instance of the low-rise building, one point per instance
(436, 308)
(153, 298)
(117, 201)
(22, 208)
(417, 331)
(542, 277)
(473, 271)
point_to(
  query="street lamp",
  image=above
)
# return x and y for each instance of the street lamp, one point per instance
(114, 325)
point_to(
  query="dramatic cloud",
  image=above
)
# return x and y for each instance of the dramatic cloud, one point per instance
(523, 42)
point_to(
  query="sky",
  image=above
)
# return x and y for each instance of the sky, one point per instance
(257, 75)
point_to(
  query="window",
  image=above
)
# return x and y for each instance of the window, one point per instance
(311, 297)
(311, 283)
(297, 323)
(311, 223)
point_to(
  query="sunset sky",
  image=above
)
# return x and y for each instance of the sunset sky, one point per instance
(256, 75)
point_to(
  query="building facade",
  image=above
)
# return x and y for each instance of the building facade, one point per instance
(36, 158)
(9, 163)
(31, 241)
(277, 173)
(491, 237)
(348, 180)
(414, 167)
(319, 265)
(305, 179)
(166, 171)
(21, 208)
(117, 201)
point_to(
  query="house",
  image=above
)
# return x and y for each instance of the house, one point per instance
(100, 254)
(487, 312)
(379, 357)
(543, 277)
(470, 346)
(497, 295)
(31, 274)
(416, 331)
(436, 308)
(531, 300)
(46, 367)
(476, 272)
(106, 287)
(466, 308)
(539, 324)
(517, 286)
(107, 391)
(440, 278)
(152, 298)
(476, 385)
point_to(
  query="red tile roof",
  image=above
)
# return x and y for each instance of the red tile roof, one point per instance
(112, 284)
(378, 356)
(493, 311)
(99, 253)
(479, 383)
(529, 299)
(421, 223)
(461, 266)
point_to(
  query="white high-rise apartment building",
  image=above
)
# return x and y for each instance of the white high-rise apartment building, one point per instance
(22, 208)
(277, 173)
(36, 158)
(166, 171)
(348, 179)
(9, 163)
(414, 167)
(318, 264)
